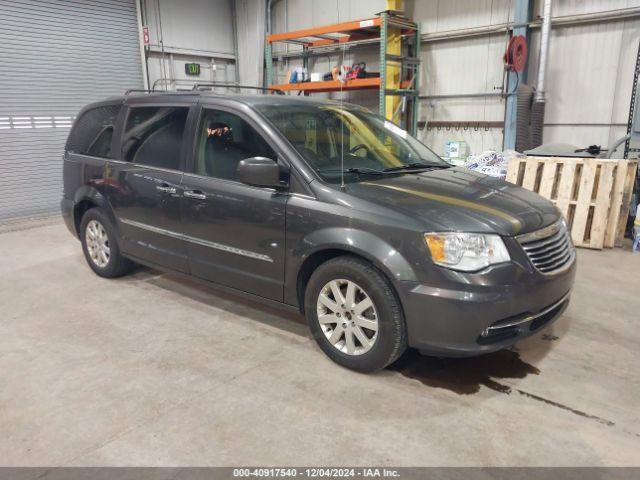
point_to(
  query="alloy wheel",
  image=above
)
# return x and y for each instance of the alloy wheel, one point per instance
(97, 242)
(347, 316)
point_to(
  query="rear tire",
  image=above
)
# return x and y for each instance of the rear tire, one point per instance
(100, 246)
(363, 330)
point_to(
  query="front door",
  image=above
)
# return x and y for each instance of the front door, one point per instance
(235, 233)
(144, 185)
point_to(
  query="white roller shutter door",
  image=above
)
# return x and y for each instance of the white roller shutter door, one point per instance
(55, 57)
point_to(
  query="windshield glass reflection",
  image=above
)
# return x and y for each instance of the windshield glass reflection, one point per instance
(349, 141)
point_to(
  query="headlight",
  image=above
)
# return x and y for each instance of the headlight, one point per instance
(466, 251)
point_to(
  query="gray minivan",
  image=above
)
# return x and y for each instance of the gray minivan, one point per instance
(321, 207)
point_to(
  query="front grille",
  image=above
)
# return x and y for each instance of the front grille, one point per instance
(549, 249)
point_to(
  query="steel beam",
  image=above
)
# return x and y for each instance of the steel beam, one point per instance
(393, 46)
(523, 12)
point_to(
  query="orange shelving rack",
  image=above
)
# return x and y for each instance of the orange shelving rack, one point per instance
(371, 30)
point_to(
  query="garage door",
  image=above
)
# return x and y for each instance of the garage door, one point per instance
(55, 56)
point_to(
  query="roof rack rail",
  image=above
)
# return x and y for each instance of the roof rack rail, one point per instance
(135, 90)
(174, 92)
(201, 86)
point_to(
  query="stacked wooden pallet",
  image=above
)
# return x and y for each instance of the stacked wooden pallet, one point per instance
(592, 193)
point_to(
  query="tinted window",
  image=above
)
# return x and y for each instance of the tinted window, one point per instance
(101, 146)
(93, 131)
(223, 140)
(153, 136)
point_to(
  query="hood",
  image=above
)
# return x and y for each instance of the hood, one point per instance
(457, 199)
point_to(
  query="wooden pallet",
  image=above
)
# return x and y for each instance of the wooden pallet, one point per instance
(593, 194)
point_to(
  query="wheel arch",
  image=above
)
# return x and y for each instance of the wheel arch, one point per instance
(88, 197)
(334, 242)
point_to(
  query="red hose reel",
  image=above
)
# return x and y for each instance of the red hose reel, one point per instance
(515, 57)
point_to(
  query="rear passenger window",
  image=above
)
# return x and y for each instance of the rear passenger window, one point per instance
(153, 136)
(93, 131)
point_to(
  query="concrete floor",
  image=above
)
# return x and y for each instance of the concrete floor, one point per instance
(147, 370)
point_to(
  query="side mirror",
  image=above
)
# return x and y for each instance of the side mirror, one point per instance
(260, 172)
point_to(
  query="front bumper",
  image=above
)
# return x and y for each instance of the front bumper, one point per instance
(481, 317)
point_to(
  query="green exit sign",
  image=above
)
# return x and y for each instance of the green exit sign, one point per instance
(192, 68)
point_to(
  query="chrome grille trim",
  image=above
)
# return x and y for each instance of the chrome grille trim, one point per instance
(549, 249)
(530, 317)
(534, 245)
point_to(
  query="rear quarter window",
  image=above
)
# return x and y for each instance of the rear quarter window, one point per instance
(92, 132)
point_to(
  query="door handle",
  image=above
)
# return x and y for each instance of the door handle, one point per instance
(166, 189)
(195, 194)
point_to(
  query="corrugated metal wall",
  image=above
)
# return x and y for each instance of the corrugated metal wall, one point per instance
(55, 57)
(470, 65)
(187, 31)
(590, 76)
(590, 66)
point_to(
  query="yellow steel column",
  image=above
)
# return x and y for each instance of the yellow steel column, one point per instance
(394, 47)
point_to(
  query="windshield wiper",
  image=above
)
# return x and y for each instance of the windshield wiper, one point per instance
(414, 166)
(358, 171)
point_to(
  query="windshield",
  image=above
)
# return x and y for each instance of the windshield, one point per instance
(338, 140)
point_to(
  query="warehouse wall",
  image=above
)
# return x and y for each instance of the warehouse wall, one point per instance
(310, 13)
(589, 76)
(199, 31)
(470, 65)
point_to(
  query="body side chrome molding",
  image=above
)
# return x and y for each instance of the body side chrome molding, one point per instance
(198, 241)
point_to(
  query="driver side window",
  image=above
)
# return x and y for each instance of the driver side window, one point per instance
(224, 139)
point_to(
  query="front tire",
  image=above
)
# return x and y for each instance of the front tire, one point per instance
(354, 314)
(100, 246)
